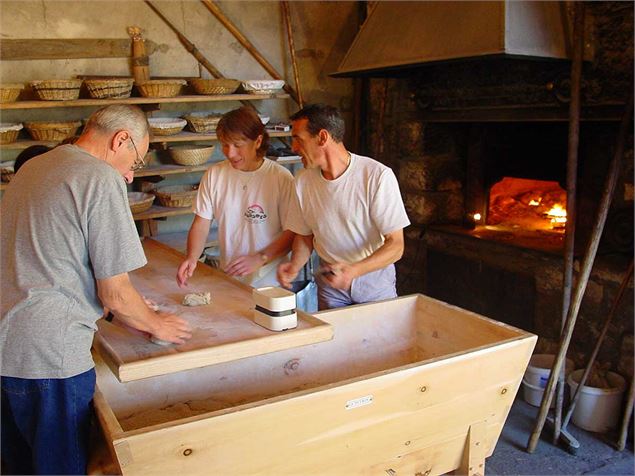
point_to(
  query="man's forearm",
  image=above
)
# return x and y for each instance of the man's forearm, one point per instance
(390, 252)
(301, 250)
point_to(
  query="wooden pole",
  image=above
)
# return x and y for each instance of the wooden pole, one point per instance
(189, 46)
(140, 61)
(585, 271)
(628, 411)
(598, 344)
(572, 179)
(296, 76)
(242, 39)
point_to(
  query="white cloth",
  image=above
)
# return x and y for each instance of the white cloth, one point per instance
(350, 215)
(251, 208)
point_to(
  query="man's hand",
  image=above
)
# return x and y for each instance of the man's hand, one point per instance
(171, 328)
(286, 273)
(185, 271)
(244, 265)
(338, 275)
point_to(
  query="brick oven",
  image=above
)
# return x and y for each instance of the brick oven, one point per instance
(480, 147)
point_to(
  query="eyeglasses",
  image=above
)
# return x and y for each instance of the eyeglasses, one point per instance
(139, 163)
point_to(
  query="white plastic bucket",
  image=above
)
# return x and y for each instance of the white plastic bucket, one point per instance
(532, 394)
(539, 368)
(598, 409)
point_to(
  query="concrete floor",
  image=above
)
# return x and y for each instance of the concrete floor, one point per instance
(593, 457)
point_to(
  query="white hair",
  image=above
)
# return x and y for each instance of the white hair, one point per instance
(119, 117)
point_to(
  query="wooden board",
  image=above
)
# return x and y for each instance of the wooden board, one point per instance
(222, 331)
(63, 48)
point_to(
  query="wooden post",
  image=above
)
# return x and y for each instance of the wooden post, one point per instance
(628, 411)
(473, 461)
(572, 179)
(216, 11)
(296, 77)
(598, 344)
(585, 271)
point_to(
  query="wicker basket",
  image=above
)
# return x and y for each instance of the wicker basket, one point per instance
(9, 132)
(161, 88)
(191, 154)
(114, 88)
(140, 201)
(176, 195)
(263, 86)
(57, 89)
(203, 123)
(7, 174)
(166, 126)
(10, 92)
(52, 131)
(215, 86)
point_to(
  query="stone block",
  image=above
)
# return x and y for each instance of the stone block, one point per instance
(421, 208)
(410, 138)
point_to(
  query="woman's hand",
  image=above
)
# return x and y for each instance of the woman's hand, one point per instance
(244, 265)
(186, 270)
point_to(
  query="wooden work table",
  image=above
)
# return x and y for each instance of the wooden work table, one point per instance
(221, 331)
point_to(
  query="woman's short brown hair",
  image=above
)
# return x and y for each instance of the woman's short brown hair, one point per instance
(244, 122)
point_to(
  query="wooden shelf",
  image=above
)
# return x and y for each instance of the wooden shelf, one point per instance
(173, 169)
(3, 185)
(105, 102)
(157, 211)
(180, 137)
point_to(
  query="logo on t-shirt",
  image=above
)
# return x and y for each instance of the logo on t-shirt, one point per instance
(255, 214)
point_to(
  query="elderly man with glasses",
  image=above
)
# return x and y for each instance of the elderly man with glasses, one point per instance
(68, 243)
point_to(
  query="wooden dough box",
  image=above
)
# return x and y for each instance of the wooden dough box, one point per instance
(410, 385)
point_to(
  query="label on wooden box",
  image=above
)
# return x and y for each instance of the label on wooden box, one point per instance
(359, 402)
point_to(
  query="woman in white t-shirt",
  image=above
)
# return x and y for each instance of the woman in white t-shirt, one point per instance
(252, 199)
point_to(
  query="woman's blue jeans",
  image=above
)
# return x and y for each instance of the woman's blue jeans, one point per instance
(46, 424)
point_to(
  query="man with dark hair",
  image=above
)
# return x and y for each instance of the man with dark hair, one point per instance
(353, 214)
(68, 242)
(27, 154)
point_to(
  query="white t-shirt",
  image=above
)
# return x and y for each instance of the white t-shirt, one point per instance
(251, 208)
(350, 215)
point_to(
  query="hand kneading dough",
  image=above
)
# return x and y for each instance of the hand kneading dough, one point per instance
(159, 341)
(197, 299)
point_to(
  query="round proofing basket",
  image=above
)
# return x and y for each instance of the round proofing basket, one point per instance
(161, 88)
(191, 154)
(10, 92)
(202, 124)
(109, 88)
(57, 89)
(215, 86)
(52, 131)
(140, 201)
(177, 196)
(165, 126)
(9, 132)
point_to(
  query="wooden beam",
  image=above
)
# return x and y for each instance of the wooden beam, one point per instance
(30, 49)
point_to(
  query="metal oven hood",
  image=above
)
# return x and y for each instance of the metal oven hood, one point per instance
(404, 34)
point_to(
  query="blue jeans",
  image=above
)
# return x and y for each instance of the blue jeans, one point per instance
(374, 286)
(46, 424)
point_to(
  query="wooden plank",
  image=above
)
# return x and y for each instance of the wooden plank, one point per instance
(157, 211)
(138, 100)
(222, 330)
(65, 48)
(172, 169)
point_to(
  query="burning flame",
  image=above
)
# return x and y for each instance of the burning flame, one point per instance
(558, 216)
(534, 203)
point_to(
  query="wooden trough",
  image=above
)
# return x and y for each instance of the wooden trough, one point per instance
(406, 386)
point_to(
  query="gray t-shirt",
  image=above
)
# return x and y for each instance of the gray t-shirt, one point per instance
(65, 223)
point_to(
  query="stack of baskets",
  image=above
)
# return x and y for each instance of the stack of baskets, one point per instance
(191, 154)
(178, 196)
(112, 88)
(140, 201)
(203, 123)
(9, 132)
(166, 126)
(161, 88)
(10, 92)
(57, 89)
(52, 131)
(214, 86)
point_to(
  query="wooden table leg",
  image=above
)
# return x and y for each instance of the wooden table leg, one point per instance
(473, 462)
